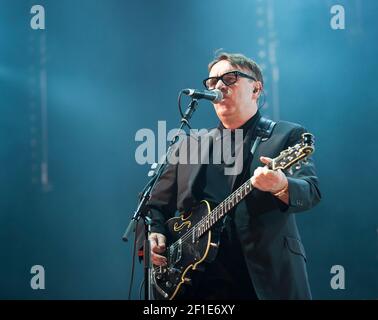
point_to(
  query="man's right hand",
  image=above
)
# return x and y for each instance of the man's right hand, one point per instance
(157, 241)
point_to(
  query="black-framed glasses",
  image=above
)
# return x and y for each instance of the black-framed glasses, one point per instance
(228, 79)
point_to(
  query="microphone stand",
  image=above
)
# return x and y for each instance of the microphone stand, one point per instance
(141, 211)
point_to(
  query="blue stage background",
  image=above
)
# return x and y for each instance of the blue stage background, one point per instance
(75, 94)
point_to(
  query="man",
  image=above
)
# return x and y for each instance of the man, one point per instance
(260, 255)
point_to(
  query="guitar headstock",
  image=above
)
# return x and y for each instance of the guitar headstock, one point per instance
(294, 154)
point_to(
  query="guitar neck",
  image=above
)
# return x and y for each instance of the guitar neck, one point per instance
(285, 160)
(224, 207)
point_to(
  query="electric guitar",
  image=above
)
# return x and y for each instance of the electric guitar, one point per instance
(191, 240)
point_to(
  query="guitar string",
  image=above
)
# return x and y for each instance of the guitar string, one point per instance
(247, 186)
(188, 234)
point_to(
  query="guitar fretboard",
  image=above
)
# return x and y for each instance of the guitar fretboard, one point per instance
(223, 208)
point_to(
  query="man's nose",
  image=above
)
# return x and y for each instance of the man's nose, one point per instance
(220, 85)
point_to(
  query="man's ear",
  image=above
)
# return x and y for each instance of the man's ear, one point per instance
(257, 89)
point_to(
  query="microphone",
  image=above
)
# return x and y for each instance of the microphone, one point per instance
(213, 95)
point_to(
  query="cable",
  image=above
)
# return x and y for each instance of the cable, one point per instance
(140, 289)
(179, 103)
(264, 96)
(133, 262)
(180, 109)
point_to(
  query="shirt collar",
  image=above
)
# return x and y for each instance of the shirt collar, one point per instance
(249, 124)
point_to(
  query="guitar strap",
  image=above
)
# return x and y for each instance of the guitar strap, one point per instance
(263, 132)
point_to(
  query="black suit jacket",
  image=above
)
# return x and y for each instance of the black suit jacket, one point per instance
(266, 227)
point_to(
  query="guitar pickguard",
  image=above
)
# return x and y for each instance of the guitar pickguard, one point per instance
(177, 227)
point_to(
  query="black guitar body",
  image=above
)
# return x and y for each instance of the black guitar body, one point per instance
(186, 252)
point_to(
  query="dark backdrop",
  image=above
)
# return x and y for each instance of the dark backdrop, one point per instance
(74, 95)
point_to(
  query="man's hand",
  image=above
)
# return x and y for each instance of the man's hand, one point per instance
(157, 241)
(268, 180)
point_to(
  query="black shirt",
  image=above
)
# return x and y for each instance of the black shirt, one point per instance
(227, 276)
(214, 186)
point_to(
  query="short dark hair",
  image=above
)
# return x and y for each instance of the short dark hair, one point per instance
(239, 60)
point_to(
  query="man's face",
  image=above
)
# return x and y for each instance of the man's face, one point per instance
(237, 97)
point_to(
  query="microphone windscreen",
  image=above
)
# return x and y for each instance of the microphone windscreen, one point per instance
(219, 95)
